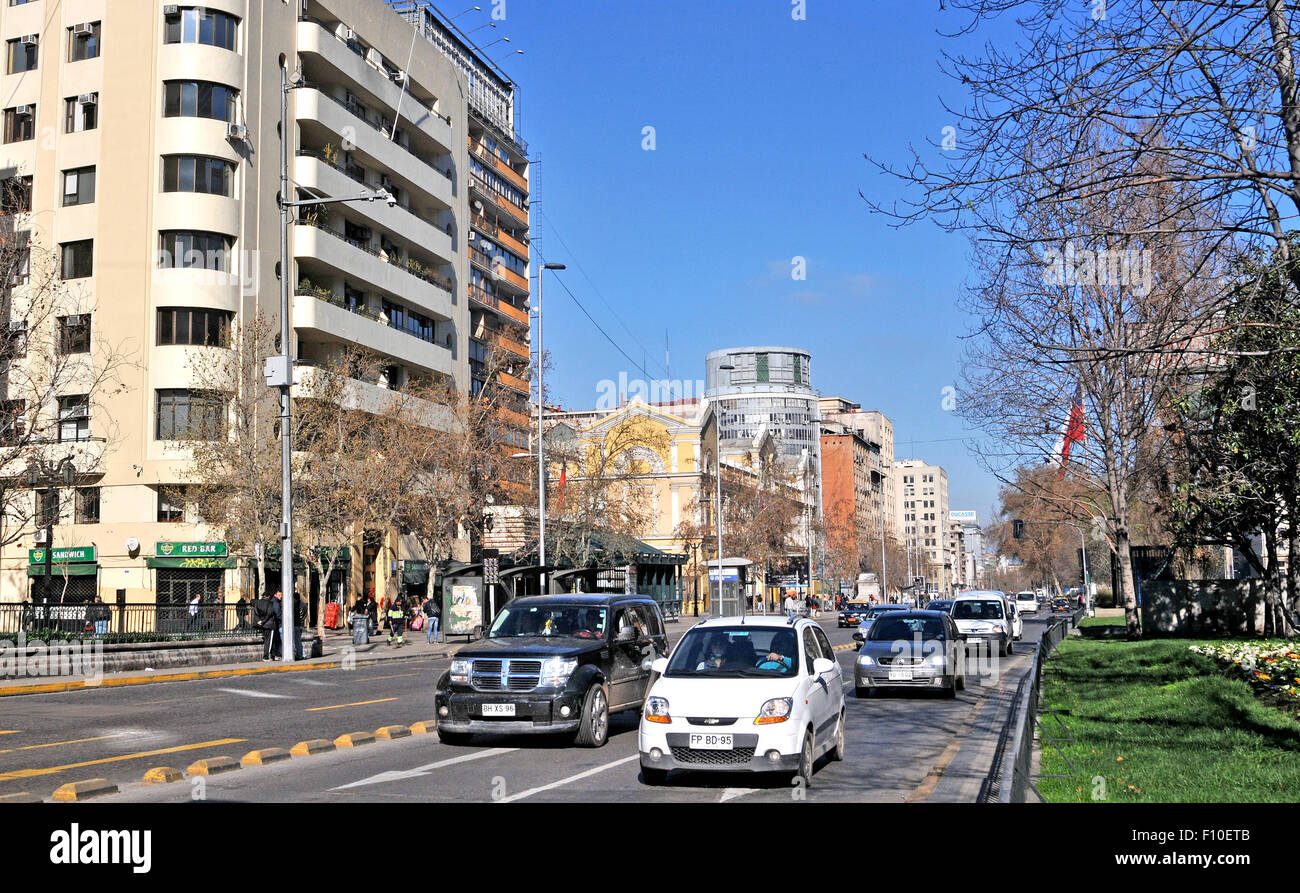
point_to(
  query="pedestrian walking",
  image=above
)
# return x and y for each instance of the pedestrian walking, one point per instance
(789, 606)
(194, 611)
(432, 614)
(264, 621)
(241, 612)
(299, 620)
(396, 615)
(277, 612)
(97, 614)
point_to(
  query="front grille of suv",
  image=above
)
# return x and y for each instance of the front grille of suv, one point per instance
(520, 675)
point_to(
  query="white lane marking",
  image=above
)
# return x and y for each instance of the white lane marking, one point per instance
(253, 694)
(572, 778)
(733, 793)
(401, 775)
(312, 682)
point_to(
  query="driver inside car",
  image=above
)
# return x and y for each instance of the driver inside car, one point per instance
(779, 658)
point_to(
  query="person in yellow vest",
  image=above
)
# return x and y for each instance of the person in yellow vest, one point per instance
(397, 621)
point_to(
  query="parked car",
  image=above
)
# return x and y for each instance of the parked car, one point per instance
(912, 649)
(744, 694)
(984, 615)
(551, 664)
(1027, 602)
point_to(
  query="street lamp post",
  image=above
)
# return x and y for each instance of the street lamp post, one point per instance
(38, 472)
(541, 467)
(279, 369)
(717, 446)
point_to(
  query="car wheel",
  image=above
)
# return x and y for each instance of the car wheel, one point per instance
(453, 737)
(653, 777)
(805, 770)
(594, 729)
(837, 752)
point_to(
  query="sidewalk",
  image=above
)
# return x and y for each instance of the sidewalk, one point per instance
(336, 651)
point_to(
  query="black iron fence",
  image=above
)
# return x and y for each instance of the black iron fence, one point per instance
(126, 622)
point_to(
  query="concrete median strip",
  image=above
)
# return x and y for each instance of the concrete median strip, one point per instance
(23, 797)
(425, 727)
(212, 766)
(311, 747)
(354, 739)
(389, 733)
(163, 775)
(76, 791)
(265, 757)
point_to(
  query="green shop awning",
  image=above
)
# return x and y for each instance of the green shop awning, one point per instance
(63, 570)
(415, 573)
(196, 562)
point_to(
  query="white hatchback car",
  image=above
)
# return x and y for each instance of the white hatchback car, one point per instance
(744, 694)
(984, 615)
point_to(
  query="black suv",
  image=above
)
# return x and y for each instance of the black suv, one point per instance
(553, 663)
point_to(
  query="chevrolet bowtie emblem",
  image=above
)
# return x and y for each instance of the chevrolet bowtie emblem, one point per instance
(711, 722)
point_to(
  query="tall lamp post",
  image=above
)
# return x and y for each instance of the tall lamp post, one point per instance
(717, 456)
(541, 467)
(51, 475)
(279, 369)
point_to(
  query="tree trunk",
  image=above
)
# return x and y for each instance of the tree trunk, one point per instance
(1273, 621)
(1290, 606)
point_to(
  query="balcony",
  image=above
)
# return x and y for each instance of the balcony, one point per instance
(426, 292)
(511, 243)
(510, 277)
(505, 308)
(500, 166)
(509, 345)
(331, 322)
(513, 382)
(513, 211)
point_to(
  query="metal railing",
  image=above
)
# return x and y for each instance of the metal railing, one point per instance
(357, 175)
(431, 278)
(378, 124)
(1010, 778)
(125, 622)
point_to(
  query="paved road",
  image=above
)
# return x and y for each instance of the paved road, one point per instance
(896, 744)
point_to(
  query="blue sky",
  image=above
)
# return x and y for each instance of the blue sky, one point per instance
(760, 123)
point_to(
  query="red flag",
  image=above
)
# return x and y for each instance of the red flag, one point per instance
(1072, 432)
(563, 475)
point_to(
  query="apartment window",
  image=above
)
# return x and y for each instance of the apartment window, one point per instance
(171, 508)
(190, 415)
(83, 42)
(81, 113)
(197, 173)
(198, 25)
(13, 342)
(16, 195)
(87, 505)
(22, 55)
(199, 99)
(194, 326)
(20, 123)
(185, 249)
(78, 186)
(78, 259)
(74, 418)
(20, 271)
(47, 507)
(74, 334)
(13, 421)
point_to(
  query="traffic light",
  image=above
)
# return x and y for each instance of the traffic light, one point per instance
(1018, 528)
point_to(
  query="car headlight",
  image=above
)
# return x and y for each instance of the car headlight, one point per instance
(866, 661)
(460, 671)
(935, 660)
(656, 710)
(775, 710)
(556, 670)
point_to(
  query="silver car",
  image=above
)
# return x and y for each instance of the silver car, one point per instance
(873, 614)
(911, 649)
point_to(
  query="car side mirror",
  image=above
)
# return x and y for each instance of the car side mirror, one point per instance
(659, 665)
(823, 665)
(859, 637)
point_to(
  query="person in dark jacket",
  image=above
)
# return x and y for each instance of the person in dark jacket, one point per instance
(98, 615)
(277, 609)
(241, 612)
(299, 620)
(432, 614)
(264, 618)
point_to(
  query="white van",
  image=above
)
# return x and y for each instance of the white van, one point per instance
(984, 614)
(1027, 602)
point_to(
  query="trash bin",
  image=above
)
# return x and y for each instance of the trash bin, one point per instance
(332, 615)
(360, 629)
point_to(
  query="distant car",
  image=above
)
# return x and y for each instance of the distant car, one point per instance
(1017, 622)
(984, 615)
(1060, 604)
(852, 614)
(869, 617)
(1027, 602)
(911, 649)
(939, 604)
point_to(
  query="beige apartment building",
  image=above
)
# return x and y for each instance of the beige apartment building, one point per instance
(922, 512)
(147, 135)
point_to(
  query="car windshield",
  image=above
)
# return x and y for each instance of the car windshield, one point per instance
(907, 627)
(977, 609)
(577, 621)
(1026, 596)
(736, 651)
(875, 612)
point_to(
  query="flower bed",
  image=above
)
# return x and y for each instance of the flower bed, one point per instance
(1271, 668)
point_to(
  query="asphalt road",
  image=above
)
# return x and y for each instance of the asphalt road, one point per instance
(897, 744)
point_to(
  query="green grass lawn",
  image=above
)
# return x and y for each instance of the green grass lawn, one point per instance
(1159, 724)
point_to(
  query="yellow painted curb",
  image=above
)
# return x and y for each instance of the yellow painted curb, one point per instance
(426, 727)
(844, 647)
(265, 756)
(24, 797)
(75, 791)
(163, 775)
(212, 766)
(314, 746)
(389, 733)
(354, 739)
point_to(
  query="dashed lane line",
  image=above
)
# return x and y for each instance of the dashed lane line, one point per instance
(353, 704)
(249, 693)
(54, 770)
(403, 774)
(563, 781)
(58, 743)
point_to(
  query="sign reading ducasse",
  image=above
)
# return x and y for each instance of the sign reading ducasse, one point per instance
(190, 550)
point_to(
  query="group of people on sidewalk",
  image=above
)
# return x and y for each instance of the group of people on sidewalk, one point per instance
(268, 618)
(401, 614)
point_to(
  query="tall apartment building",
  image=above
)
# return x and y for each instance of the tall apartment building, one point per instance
(148, 136)
(922, 511)
(972, 541)
(877, 431)
(849, 488)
